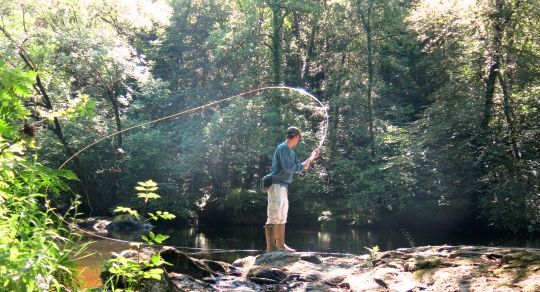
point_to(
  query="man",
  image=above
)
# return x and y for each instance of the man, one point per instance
(284, 165)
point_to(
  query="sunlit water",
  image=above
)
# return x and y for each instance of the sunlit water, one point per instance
(233, 242)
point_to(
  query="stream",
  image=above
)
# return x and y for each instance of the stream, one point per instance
(228, 243)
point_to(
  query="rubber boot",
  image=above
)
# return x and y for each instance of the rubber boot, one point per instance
(269, 232)
(280, 238)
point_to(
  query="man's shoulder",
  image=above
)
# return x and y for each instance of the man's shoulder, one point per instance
(283, 146)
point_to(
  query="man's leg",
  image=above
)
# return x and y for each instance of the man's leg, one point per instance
(280, 238)
(269, 231)
(274, 202)
(279, 228)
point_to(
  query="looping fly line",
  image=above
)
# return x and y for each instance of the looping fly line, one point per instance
(323, 135)
(213, 103)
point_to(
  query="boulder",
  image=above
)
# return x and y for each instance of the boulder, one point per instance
(277, 258)
(126, 222)
(94, 224)
(182, 282)
(198, 269)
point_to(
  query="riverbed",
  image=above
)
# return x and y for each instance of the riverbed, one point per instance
(231, 242)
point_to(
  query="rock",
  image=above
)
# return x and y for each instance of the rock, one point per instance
(277, 258)
(312, 258)
(345, 285)
(210, 280)
(336, 280)
(218, 267)
(271, 273)
(317, 287)
(163, 285)
(381, 283)
(415, 269)
(94, 224)
(237, 285)
(129, 253)
(263, 280)
(199, 269)
(234, 271)
(186, 283)
(310, 278)
(127, 222)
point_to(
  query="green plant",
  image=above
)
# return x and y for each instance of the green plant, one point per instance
(129, 272)
(373, 252)
(35, 247)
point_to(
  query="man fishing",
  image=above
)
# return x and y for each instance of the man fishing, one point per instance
(284, 165)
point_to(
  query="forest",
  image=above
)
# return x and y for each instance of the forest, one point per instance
(433, 112)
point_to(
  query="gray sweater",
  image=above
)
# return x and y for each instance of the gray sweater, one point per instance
(284, 164)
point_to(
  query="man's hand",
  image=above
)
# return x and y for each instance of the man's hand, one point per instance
(315, 154)
(312, 157)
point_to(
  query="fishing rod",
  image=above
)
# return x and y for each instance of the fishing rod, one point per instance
(191, 110)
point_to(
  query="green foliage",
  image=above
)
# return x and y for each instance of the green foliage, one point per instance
(422, 90)
(35, 247)
(130, 272)
(373, 252)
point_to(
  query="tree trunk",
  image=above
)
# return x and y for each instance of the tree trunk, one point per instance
(296, 56)
(114, 101)
(365, 16)
(277, 22)
(310, 51)
(509, 116)
(333, 93)
(495, 63)
(506, 78)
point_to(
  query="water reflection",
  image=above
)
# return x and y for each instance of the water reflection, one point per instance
(324, 239)
(231, 242)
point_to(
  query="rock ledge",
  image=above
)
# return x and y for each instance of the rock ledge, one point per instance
(428, 268)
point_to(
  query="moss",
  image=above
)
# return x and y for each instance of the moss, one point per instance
(484, 269)
(519, 265)
(522, 258)
(429, 264)
(421, 273)
(424, 267)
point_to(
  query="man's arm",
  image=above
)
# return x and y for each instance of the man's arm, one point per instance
(289, 161)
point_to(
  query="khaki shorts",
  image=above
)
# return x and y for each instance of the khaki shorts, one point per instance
(278, 204)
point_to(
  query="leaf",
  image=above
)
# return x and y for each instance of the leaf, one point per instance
(150, 183)
(145, 238)
(148, 196)
(156, 260)
(126, 210)
(160, 238)
(153, 274)
(166, 215)
(153, 217)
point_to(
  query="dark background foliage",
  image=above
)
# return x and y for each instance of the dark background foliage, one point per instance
(433, 109)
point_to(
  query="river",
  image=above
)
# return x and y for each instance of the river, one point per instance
(231, 242)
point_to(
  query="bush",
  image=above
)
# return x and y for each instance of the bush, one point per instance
(35, 248)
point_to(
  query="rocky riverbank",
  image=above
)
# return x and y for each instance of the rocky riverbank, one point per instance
(430, 268)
